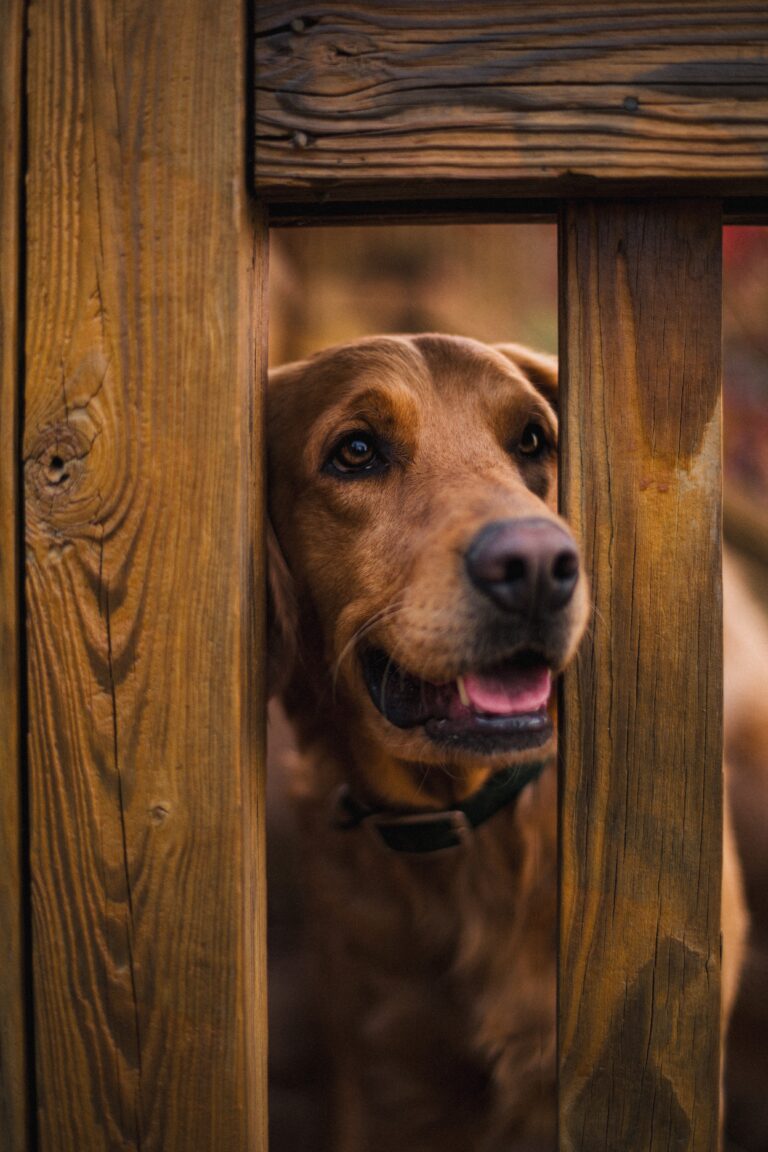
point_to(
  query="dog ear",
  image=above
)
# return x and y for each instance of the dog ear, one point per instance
(540, 368)
(282, 616)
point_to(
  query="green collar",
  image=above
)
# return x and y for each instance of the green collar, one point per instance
(435, 831)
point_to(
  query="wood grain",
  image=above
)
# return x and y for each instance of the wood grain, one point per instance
(641, 797)
(15, 1090)
(385, 102)
(139, 442)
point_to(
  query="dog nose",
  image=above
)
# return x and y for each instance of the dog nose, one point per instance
(524, 566)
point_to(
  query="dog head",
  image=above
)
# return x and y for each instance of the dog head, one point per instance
(424, 586)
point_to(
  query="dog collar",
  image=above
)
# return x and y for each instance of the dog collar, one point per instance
(420, 832)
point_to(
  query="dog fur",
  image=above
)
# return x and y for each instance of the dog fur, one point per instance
(435, 975)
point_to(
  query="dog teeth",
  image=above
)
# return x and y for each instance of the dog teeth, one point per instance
(463, 694)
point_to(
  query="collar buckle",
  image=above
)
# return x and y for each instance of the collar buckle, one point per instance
(418, 832)
(421, 832)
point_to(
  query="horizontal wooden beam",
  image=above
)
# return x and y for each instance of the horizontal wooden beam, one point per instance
(354, 100)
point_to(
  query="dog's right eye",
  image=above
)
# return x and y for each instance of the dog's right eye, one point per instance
(356, 454)
(533, 441)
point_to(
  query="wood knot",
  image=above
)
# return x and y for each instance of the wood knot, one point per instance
(159, 812)
(57, 463)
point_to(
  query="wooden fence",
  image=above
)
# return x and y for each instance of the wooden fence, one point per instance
(134, 226)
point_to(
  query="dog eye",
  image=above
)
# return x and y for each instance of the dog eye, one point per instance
(356, 453)
(533, 441)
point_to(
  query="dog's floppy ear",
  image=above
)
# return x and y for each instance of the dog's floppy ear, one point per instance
(540, 368)
(282, 616)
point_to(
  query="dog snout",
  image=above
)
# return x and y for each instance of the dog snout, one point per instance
(529, 567)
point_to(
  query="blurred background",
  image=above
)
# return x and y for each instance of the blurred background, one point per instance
(499, 282)
(490, 281)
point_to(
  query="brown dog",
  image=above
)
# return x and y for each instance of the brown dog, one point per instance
(425, 595)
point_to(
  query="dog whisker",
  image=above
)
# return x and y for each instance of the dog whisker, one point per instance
(389, 611)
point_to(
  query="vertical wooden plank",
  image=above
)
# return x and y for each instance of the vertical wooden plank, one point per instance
(641, 797)
(146, 821)
(14, 1094)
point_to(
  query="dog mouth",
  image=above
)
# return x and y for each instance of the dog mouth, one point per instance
(499, 707)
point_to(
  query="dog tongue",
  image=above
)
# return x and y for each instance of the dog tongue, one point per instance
(509, 692)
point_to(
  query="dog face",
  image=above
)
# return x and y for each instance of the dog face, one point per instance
(435, 591)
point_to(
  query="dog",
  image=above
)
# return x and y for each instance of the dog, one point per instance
(424, 594)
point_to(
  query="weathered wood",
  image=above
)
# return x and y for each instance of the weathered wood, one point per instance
(641, 801)
(15, 1090)
(146, 816)
(380, 101)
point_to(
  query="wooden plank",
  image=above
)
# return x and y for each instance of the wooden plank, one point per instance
(15, 1091)
(378, 101)
(146, 815)
(641, 796)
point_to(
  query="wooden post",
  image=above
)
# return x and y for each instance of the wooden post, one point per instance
(641, 825)
(15, 1094)
(143, 679)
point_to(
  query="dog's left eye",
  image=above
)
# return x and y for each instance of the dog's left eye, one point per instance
(533, 441)
(356, 453)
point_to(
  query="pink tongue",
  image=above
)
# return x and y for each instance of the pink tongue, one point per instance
(509, 693)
